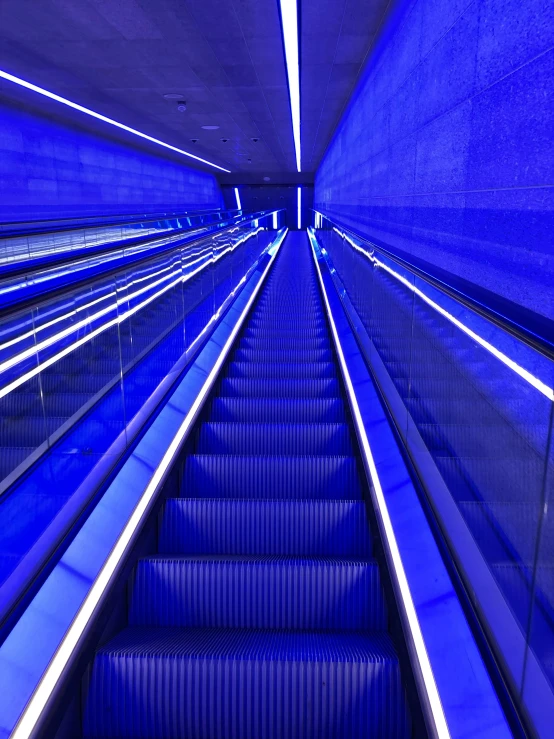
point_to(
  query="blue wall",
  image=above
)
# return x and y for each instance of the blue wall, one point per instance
(52, 168)
(445, 152)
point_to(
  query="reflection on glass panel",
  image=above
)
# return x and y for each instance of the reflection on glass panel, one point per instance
(81, 370)
(53, 238)
(477, 416)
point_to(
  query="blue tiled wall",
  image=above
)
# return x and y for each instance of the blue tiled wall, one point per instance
(52, 169)
(445, 151)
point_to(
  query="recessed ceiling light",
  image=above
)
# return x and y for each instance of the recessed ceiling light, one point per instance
(267, 179)
(173, 96)
(210, 128)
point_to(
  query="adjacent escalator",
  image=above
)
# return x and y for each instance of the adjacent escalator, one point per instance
(262, 613)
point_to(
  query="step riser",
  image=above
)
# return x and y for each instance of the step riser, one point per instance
(171, 697)
(272, 439)
(281, 478)
(284, 344)
(334, 528)
(258, 595)
(294, 357)
(319, 370)
(265, 410)
(246, 387)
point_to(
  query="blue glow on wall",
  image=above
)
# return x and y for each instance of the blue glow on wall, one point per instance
(52, 168)
(444, 154)
(99, 116)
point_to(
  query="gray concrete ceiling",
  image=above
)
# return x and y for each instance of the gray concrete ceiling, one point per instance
(225, 57)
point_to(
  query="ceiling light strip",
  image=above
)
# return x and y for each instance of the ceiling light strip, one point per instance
(58, 98)
(237, 196)
(289, 24)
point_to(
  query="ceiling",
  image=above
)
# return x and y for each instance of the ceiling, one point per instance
(225, 57)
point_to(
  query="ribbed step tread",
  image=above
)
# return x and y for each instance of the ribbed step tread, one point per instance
(284, 343)
(226, 476)
(288, 527)
(274, 438)
(271, 592)
(279, 410)
(295, 356)
(170, 683)
(241, 387)
(277, 332)
(282, 369)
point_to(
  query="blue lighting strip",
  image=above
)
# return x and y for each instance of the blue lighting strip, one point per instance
(58, 98)
(237, 196)
(289, 22)
(93, 559)
(299, 208)
(525, 374)
(457, 694)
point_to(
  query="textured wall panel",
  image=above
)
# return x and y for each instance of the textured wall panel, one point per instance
(48, 169)
(445, 152)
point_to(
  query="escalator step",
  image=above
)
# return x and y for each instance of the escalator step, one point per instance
(274, 438)
(515, 523)
(27, 431)
(288, 527)
(283, 343)
(275, 332)
(171, 683)
(245, 387)
(280, 410)
(226, 476)
(11, 457)
(281, 369)
(271, 592)
(274, 355)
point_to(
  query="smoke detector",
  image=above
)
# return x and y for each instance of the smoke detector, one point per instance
(182, 106)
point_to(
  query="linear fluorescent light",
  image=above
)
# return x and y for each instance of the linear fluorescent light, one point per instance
(237, 196)
(275, 224)
(409, 607)
(58, 98)
(289, 23)
(41, 696)
(514, 366)
(299, 208)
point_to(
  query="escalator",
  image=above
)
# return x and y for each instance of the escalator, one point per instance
(490, 446)
(65, 425)
(262, 613)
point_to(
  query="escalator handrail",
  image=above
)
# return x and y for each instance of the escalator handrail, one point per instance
(135, 488)
(11, 229)
(25, 265)
(32, 292)
(529, 337)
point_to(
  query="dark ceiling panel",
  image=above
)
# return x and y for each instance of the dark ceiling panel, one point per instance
(225, 57)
